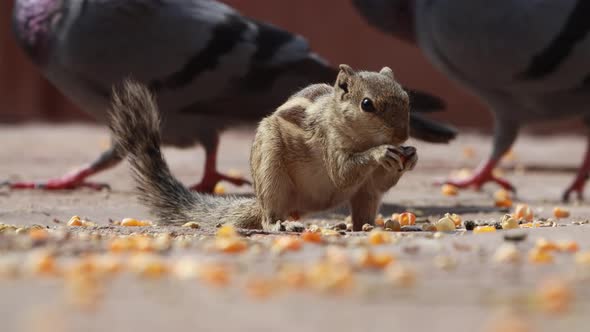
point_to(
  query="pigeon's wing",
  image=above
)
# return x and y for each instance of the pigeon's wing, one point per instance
(188, 52)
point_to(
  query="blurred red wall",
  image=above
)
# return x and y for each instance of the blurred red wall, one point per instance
(332, 26)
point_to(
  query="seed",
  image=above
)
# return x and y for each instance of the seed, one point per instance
(311, 237)
(559, 212)
(292, 275)
(375, 261)
(523, 211)
(227, 231)
(537, 256)
(192, 224)
(407, 219)
(378, 237)
(469, 225)
(445, 224)
(507, 253)
(214, 274)
(259, 288)
(38, 235)
(379, 221)
(219, 189)
(367, 228)
(230, 245)
(568, 246)
(544, 245)
(44, 263)
(287, 243)
(339, 227)
(508, 222)
(325, 276)
(393, 225)
(555, 296)
(449, 190)
(148, 266)
(130, 222)
(75, 221)
(503, 198)
(484, 229)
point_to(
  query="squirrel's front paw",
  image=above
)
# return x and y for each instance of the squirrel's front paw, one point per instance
(390, 157)
(410, 157)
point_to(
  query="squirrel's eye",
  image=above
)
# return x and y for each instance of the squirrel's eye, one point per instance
(367, 105)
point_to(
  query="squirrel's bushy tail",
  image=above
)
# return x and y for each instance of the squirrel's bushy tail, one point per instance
(135, 124)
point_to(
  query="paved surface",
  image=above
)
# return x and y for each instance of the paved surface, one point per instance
(466, 298)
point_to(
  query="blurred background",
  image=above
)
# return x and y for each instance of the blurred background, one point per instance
(345, 38)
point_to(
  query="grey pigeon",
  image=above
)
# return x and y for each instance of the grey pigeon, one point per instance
(528, 60)
(210, 67)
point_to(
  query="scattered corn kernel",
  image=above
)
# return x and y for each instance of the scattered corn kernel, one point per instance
(555, 296)
(44, 263)
(445, 224)
(407, 219)
(484, 229)
(192, 224)
(227, 231)
(230, 245)
(311, 237)
(287, 243)
(544, 245)
(130, 222)
(568, 246)
(538, 256)
(148, 266)
(370, 260)
(75, 221)
(259, 288)
(292, 276)
(507, 253)
(503, 198)
(38, 234)
(508, 222)
(523, 211)
(379, 221)
(219, 189)
(378, 237)
(214, 274)
(559, 212)
(367, 228)
(325, 276)
(449, 190)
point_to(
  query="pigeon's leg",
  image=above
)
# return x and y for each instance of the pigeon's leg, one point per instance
(504, 136)
(211, 176)
(75, 179)
(580, 179)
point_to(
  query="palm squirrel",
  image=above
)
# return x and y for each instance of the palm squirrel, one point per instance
(325, 146)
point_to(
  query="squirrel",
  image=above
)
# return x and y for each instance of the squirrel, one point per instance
(324, 147)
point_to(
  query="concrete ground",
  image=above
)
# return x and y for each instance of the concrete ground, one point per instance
(467, 297)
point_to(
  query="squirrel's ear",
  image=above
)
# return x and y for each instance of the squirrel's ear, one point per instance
(387, 72)
(343, 79)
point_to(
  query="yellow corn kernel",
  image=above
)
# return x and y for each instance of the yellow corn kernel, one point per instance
(559, 212)
(544, 245)
(287, 243)
(325, 276)
(214, 274)
(555, 296)
(503, 198)
(120, 244)
(148, 266)
(445, 224)
(130, 222)
(538, 256)
(455, 218)
(75, 221)
(219, 189)
(508, 222)
(229, 245)
(44, 263)
(484, 229)
(407, 219)
(523, 211)
(449, 190)
(38, 234)
(226, 231)
(568, 246)
(378, 237)
(311, 237)
(370, 260)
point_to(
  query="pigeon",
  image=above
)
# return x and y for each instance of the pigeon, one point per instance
(527, 60)
(210, 67)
